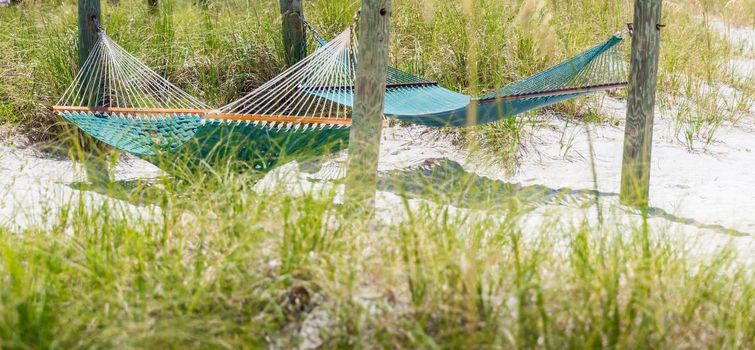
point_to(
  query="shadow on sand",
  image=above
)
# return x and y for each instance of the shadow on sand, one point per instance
(438, 180)
(435, 178)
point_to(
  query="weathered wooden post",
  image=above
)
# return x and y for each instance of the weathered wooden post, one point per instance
(369, 99)
(93, 158)
(88, 11)
(294, 37)
(638, 134)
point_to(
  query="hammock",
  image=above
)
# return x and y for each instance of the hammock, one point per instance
(120, 101)
(318, 91)
(421, 101)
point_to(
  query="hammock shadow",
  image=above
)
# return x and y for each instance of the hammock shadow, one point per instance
(446, 181)
(139, 192)
(437, 180)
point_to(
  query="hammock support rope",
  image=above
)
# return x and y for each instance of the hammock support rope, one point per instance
(284, 101)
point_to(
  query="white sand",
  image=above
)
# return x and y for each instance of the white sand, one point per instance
(743, 41)
(704, 193)
(35, 188)
(708, 198)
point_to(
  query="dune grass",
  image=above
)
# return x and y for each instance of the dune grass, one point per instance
(220, 265)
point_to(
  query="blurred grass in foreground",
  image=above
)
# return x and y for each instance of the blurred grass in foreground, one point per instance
(222, 266)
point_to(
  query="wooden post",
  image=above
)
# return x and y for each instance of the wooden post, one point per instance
(369, 99)
(88, 9)
(294, 37)
(638, 134)
(94, 159)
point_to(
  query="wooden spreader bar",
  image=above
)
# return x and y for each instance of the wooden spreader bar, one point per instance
(400, 85)
(387, 86)
(279, 118)
(213, 115)
(129, 110)
(209, 115)
(556, 92)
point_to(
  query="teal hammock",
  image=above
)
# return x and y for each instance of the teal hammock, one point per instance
(141, 136)
(419, 101)
(259, 148)
(118, 100)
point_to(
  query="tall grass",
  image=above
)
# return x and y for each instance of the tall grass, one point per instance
(222, 266)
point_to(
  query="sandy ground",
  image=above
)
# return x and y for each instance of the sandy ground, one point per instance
(706, 197)
(36, 188)
(743, 40)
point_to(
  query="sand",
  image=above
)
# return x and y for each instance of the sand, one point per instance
(35, 188)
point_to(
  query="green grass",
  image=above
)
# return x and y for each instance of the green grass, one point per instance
(221, 266)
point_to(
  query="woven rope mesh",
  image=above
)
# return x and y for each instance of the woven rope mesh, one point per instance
(120, 101)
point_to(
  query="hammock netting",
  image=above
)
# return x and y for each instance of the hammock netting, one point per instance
(120, 101)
